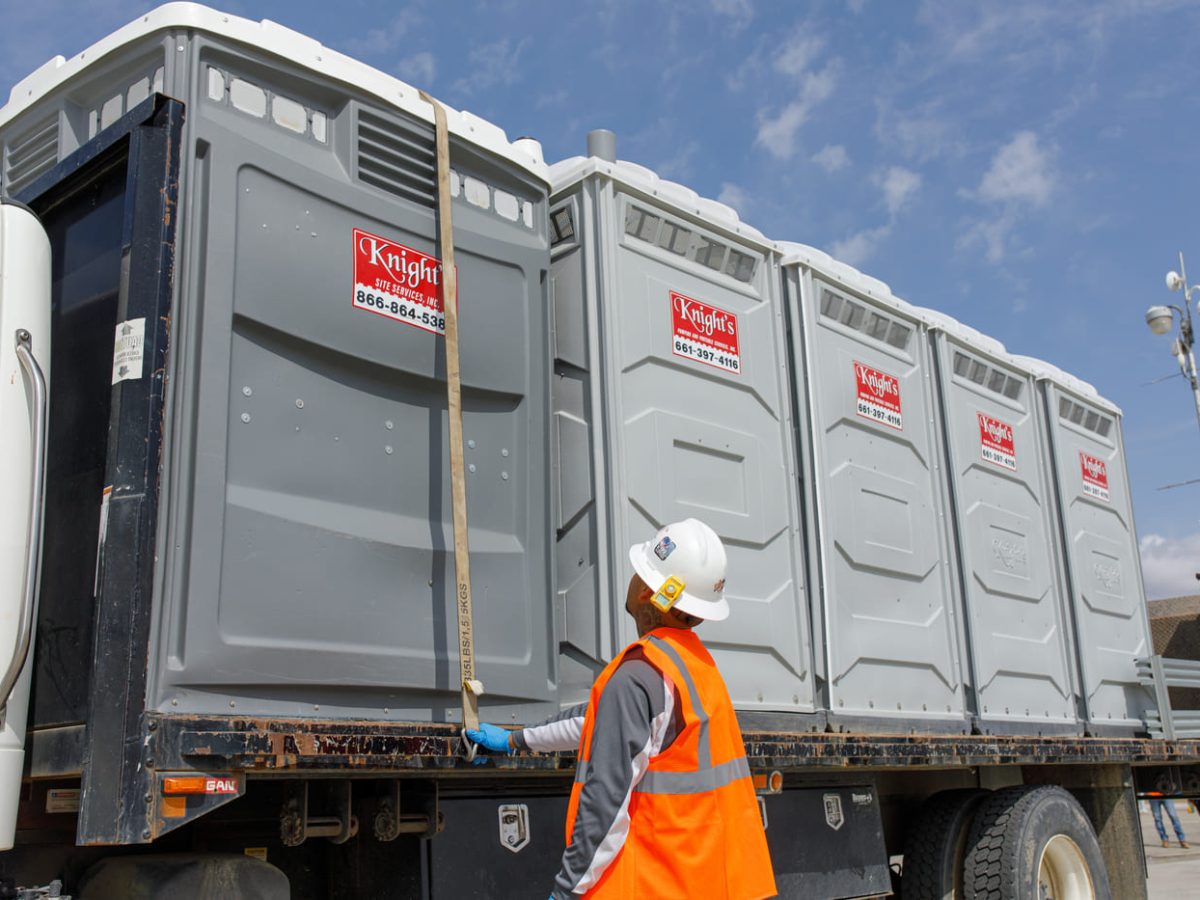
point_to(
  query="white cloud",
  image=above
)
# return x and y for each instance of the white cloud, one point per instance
(1021, 177)
(388, 37)
(991, 234)
(1020, 173)
(899, 185)
(418, 69)
(1169, 565)
(679, 164)
(919, 134)
(745, 75)
(754, 71)
(739, 10)
(1150, 91)
(491, 65)
(970, 32)
(611, 55)
(856, 6)
(732, 195)
(797, 60)
(832, 158)
(1031, 28)
(860, 246)
(551, 98)
(797, 56)
(778, 133)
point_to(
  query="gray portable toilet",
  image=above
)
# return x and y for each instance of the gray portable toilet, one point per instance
(1022, 667)
(304, 541)
(1100, 542)
(671, 400)
(887, 589)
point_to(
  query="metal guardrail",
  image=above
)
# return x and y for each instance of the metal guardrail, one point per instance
(1159, 674)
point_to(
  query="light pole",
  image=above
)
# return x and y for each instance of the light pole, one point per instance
(1160, 318)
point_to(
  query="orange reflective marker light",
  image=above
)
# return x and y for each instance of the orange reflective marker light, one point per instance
(768, 782)
(183, 785)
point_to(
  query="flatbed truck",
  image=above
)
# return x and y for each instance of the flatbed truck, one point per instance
(228, 579)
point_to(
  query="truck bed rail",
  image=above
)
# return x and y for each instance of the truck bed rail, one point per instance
(1160, 674)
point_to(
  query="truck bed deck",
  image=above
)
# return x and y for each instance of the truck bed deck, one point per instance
(294, 746)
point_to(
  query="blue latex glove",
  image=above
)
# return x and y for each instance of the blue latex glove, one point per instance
(490, 737)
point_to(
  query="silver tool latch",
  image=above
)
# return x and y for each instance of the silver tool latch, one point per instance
(514, 826)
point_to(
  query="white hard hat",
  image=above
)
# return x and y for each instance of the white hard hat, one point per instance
(685, 562)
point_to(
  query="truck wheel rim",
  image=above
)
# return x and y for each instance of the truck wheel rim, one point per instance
(1063, 872)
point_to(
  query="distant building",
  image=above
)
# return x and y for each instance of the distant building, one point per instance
(1175, 630)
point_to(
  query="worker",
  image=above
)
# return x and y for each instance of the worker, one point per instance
(1157, 805)
(663, 804)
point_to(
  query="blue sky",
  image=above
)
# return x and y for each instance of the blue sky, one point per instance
(1028, 167)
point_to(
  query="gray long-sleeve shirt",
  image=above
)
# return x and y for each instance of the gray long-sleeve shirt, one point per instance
(637, 718)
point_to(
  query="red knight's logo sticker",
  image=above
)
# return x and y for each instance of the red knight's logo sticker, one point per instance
(399, 282)
(1095, 476)
(996, 442)
(705, 333)
(878, 396)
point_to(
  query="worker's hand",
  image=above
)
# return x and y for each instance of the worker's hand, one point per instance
(490, 737)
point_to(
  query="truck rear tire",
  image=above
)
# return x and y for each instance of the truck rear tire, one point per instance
(936, 845)
(1033, 843)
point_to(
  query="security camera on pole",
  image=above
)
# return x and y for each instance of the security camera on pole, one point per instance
(1159, 318)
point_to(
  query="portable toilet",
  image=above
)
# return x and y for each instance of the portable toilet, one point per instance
(882, 542)
(1022, 666)
(287, 550)
(1100, 539)
(671, 400)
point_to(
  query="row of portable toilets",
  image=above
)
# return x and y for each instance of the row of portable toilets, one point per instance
(924, 531)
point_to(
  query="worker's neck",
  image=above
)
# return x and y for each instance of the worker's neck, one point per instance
(649, 622)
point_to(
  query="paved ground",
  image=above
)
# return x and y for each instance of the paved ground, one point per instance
(1174, 872)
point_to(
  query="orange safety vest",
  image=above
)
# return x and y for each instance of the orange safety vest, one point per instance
(694, 825)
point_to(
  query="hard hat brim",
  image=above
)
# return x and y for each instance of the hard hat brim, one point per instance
(709, 610)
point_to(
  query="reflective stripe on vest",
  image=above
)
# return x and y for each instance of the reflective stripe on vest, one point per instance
(704, 748)
(683, 782)
(694, 782)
